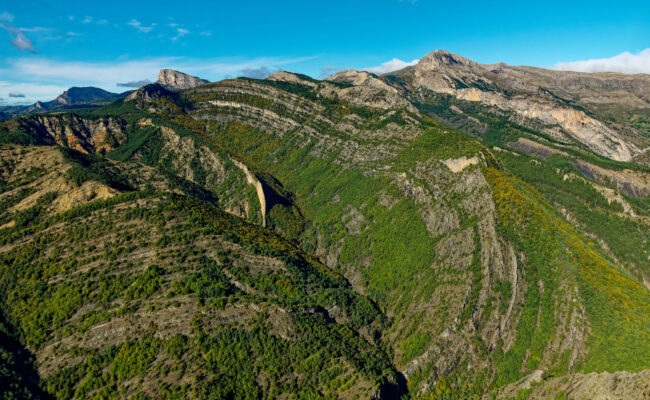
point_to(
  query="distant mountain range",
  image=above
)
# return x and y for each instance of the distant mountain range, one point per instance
(93, 97)
(75, 97)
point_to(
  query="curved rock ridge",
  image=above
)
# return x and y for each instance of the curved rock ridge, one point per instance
(178, 80)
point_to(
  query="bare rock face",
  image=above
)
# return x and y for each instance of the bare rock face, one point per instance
(82, 134)
(566, 104)
(178, 80)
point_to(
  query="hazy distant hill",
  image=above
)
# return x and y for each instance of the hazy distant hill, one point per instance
(75, 97)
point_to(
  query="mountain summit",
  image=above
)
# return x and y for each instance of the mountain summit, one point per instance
(178, 80)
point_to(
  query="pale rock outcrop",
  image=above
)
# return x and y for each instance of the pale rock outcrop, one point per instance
(178, 80)
(252, 180)
(459, 164)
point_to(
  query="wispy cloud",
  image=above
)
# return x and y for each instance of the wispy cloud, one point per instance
(205, 33)
(15, 94)
(627, 63)
(141, 28)
(390, 66)
(36, 29)
(88, 20)
(17, 37)
(180, 32)
(135, 84)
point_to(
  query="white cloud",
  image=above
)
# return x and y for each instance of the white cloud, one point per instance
(626, 63)
(36, 29)
(390, 66)
(18, 38)
(138, 25)
(85, 73)
(87, 20)
(180, 32)
(32, 92)
(206, 33)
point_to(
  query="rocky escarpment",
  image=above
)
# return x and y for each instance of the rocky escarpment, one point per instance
(97, 135)
(561, 104)
(178, 80)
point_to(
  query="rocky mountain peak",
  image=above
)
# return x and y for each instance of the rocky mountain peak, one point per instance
(444, 59)
(178, 80)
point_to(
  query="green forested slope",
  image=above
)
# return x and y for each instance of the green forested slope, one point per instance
(400, 256)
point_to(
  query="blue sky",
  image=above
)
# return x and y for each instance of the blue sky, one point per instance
(47, 46)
